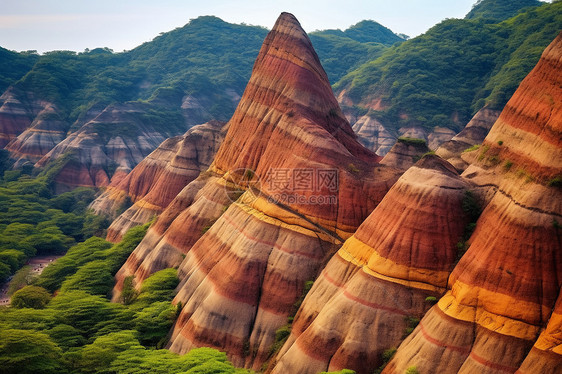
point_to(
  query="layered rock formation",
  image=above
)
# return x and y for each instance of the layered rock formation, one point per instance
(287, 186)
(376, 137)
(17, 112)
(109, 146)
(43, 134)
(546, 355)
(405, 153)
(372, 134)
(156, 181)
(378, 283)
(473, 134)
(503, 291)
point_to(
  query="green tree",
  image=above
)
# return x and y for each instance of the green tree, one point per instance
(31, 297)
(93, 277)
(24, 351)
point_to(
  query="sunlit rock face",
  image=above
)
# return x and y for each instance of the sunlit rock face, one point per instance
(501, 312)
(288, 185)
(367, 295)
(157, 179)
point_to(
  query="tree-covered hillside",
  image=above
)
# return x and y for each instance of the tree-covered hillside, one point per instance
(444, 76)
(205, 59)
(14, 65)
(500, 10)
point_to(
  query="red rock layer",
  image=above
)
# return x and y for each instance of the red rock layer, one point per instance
(301, 183)
(546, 355)
(505, 287)
(403, 253)
(45, 132)
(528, 132)
(106, 148)
(473, 133)
(17, 111)
(157, 180)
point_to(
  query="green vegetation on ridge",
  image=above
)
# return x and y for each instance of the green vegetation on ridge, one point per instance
(204, 59)
(80, 331)
(444, 76)
(500, 10)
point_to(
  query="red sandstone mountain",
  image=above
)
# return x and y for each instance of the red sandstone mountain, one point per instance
(378, 282)
(499, 314)
(288, 185)
(109, 146)
(157, 179)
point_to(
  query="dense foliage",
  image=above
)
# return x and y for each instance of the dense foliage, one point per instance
(444, 76)
(341, 52)
(33, 221)
(204, 59)
(499, 10)
(80, 331)
(14, 65)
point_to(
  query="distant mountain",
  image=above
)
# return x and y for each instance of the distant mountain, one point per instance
(442, 78)
(500, 10)
(184, 77)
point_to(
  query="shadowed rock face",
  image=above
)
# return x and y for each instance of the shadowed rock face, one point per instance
(404, 154)
(16, 114)
(474, 133)
(503, 291)
(108, 147)
(44, 133)
(288, 185)
(157, 180)
(365, 297)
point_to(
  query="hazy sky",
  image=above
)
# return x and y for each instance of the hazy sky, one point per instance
(46, 25)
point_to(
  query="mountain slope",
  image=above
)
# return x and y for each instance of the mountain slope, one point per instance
(378, 282)
(499, 10)
(444, 76)
(272, 237)
(158, 178)
(504, 289)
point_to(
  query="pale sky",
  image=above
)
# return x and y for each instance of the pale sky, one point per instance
(46, 25)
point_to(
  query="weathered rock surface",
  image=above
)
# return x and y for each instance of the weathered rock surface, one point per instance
(378, 282)
(288, 185)
(504, 289)
(372, 134)
(157, 180)
(108, 147)
(404, 154)
(546, 355)
(473, 134)
(17, 111)
(42, 135)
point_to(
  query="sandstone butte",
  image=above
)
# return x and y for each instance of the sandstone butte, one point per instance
(376, 285)
(157, 179)
(106, 148)
(500, 314)
(245, 252)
